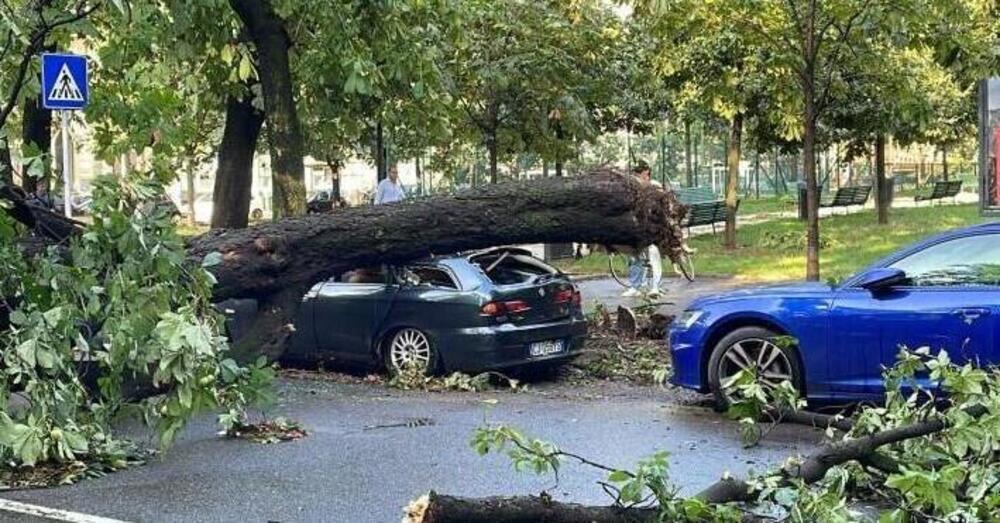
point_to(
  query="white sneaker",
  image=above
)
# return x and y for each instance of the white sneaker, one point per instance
(630, 293)
(653, 295)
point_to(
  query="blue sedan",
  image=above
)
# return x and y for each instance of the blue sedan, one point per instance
(941, 293)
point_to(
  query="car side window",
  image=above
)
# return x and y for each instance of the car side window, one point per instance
(970, 260)
(364, 275)
(431, 277)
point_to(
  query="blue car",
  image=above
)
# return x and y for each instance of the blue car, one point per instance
(941, 293)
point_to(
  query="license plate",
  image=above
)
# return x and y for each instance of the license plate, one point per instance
(545, 348)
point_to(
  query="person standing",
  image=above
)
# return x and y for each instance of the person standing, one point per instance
(646, 267)
(389, 190)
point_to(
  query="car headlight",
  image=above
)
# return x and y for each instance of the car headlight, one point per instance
(688, 318)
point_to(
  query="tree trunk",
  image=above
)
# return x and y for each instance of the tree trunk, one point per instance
(733, 178)
(812, 187)
(36, 129)
(435, 508)
(283, 128)
(697, 140)
(234, 175)
(381, 158)
(687, 154)
(491, 150)
(191, 195)
(6, 165)
(559, 160)
(276, 262)
(881, 182)
(944, 162)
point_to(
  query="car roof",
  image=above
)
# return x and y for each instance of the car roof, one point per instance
(468, 255)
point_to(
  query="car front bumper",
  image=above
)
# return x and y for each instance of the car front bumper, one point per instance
(686, 346)
(506, 345)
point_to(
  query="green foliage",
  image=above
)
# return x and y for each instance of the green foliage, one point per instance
(946, 475)
(120, 303)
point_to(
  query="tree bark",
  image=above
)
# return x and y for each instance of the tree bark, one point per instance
(36, 129)
(491, 150)
(733, 178)
(687, 154)
(435, 508)
(559, 159)
(381, 158)
(944, 162)
(881, 182)
(234, 175)
(810, 118)
(6, 165)
(284, 131)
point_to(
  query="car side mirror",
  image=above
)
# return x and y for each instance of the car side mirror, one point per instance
(881, 279)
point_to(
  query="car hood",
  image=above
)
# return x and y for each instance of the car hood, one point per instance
(781, 290)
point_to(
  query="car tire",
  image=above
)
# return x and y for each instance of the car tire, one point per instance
(409, 344)
(745, 346)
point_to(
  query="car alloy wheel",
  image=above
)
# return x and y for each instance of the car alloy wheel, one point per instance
(410, 348)
(759, 355)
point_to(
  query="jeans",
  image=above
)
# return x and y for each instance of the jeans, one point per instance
(645, 269)
(636, 272)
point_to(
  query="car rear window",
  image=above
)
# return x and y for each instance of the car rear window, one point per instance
(505, 268)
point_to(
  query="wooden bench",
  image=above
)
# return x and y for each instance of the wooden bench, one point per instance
(941, 191)
(707, 213)
(848, 197)
(692, 195)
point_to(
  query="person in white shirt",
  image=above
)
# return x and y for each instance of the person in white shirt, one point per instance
(645, 268)
(389, 190)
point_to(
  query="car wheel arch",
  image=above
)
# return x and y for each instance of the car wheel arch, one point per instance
(726, 326)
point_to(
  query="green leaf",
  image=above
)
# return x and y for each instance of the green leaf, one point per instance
(211, 259)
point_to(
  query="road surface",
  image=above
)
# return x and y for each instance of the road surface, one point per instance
(344, 471)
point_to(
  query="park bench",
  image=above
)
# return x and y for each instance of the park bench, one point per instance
(704, 207)
(707, 213)
(848, 197)
(941, 191)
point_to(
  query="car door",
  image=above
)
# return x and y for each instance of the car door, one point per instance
(950, 301)
(348, 312)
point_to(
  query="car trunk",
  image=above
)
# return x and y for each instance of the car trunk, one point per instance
(533, 291)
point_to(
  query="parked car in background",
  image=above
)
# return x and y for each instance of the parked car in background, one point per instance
(485, 310)
(942, 293)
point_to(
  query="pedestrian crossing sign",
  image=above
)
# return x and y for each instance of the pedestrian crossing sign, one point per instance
(64, 81)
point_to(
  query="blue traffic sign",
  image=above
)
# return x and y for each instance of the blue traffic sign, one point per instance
(64, 81)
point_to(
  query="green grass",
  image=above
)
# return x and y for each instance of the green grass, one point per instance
(775, 250)
(770, 204)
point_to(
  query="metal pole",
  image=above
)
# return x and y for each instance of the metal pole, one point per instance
(67, 176)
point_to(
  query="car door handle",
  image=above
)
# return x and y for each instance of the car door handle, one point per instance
(970, 315)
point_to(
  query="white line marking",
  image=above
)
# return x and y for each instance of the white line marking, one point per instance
(54, 514)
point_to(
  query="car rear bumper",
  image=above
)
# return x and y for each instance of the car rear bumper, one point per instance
(506, 345)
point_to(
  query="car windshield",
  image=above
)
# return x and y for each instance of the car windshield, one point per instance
(509, 268)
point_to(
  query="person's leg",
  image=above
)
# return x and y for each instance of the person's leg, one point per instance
(636, 270)
(656, 269)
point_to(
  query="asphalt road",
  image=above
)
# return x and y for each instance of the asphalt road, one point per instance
(345, 472)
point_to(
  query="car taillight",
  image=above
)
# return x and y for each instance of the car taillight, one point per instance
(502, 308)
(568, 296)
(493, 308)
(516, 306)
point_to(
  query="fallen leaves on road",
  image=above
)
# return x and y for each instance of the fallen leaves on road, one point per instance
(268, 431)
(52, 474)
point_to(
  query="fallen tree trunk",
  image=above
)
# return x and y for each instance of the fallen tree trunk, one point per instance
(275, 263)
(436, 508)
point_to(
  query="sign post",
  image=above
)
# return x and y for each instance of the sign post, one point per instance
(64, 88)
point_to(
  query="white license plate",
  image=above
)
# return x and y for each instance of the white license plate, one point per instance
(545, 348)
